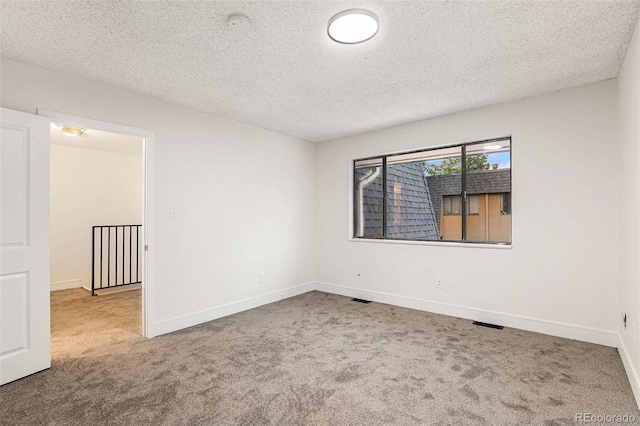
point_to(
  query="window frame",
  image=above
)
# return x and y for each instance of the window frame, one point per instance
(464, 199)
(451, 199)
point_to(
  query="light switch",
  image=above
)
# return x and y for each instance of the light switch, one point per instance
(174, 211)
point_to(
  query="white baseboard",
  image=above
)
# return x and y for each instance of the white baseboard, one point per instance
(111, 290)
(632, 373)
(569, 331)
(184, 321)
(591, 335)
(65, 285)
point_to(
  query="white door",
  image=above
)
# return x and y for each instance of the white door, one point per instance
(24, 245)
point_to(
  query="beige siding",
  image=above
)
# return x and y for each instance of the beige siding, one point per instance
(499, 224)
(487, 225)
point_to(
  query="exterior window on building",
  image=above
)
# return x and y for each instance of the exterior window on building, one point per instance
(505, 202)
(452, 205)
(473, 204)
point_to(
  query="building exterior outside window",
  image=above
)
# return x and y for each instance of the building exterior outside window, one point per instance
(422, 195)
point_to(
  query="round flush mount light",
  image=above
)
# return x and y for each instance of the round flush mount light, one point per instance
(492, 147)
(71, 131)
(239, 23)
(353, 26)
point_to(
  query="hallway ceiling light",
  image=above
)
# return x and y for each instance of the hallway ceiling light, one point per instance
(71, 131)
(353, 26)
(493, 146)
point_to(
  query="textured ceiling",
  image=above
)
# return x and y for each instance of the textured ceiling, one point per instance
(429, 57)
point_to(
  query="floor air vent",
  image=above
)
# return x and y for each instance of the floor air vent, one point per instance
(360, 300)
(484, 324)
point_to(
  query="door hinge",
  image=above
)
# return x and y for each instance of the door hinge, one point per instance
(146, 247)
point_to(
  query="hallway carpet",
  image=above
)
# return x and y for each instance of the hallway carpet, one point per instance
(312, 359)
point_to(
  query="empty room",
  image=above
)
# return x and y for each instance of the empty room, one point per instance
(319, 212)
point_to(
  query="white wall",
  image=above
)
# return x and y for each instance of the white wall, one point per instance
(561, 275)
(251, 201)
(245, 195)
(629, 157)
(88, 187)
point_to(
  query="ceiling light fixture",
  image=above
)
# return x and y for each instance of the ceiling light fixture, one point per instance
(491, 147)
(353, 26)
(71, 131)
(239, 23)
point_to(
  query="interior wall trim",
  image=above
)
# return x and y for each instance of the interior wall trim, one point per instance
(148, 202)
(552, 328)
(65, 285)
(189, 320)
(634, 378)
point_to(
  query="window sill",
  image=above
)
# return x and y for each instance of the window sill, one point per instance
(433, 243)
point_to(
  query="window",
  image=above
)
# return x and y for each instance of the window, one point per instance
(452, 205)
(505, 202)
(369, 206)
(427, 195)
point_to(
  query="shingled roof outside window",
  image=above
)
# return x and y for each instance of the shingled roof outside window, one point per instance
(410, 213)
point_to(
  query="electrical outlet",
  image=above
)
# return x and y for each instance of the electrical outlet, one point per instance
(440, 282)
(261, 278)
(173, 211)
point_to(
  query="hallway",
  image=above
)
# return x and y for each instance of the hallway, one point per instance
(82, 325)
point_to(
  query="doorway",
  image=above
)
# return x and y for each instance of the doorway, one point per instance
(101, 188)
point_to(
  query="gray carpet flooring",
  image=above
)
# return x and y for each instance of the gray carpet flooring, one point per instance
(312, 359)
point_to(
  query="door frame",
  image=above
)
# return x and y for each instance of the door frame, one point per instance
(148, 228)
